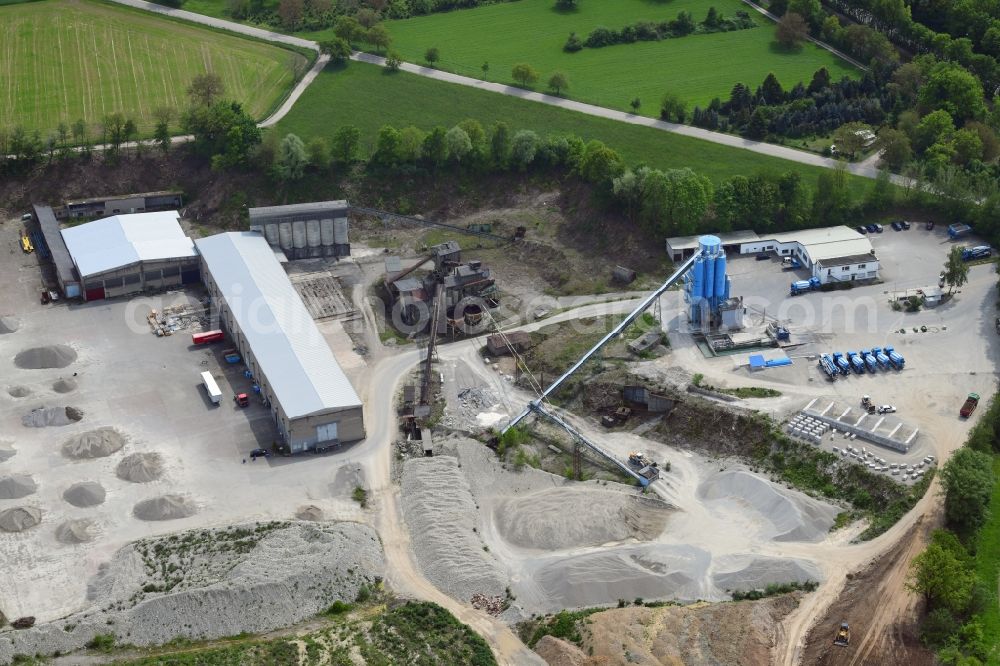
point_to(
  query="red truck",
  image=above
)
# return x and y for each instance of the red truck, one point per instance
(970, 405)
(206, 337)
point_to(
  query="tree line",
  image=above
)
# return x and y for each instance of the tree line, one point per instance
(650, 31)
(944, 574)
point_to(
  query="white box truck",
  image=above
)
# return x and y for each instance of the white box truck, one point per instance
(214, 394)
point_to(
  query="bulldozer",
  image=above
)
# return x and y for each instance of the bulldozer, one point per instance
(843, 638)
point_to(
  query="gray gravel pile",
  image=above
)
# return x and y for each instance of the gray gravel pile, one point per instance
(7, 450)
(64, 385)
(441, 513)
(18, 391)
(140, 467)
(51, 416)
(17, 486)
(8, 325)
(84, 494)
(19, 518)
(288, 575)
(80, 530)
(44, 358)
(165, 507)
(93, 444)
(573, 517)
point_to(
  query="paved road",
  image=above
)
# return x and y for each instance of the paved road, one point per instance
(865, 170)
(772, 150)
(223, 24)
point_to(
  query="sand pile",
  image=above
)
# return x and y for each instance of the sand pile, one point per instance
(51, 416)
(81, 530)
(19, 518)
(309, 512)
(650, 571)
(441, 514)
(8, 325)
(84, 494)
(140, 467)
(560, 518)
(17, 486)
(93, 443)
(62, 385)
(165, 507)
(18, 391)
(793, 516)
(7, 450)
(43, 358)
(750, 572)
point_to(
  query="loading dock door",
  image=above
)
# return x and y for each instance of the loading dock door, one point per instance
(95, 294)
(326, 432)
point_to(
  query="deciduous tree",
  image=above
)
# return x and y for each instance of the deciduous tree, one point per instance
(291, 13)
(558, 82)
(345, 144)
(432, 55)
(791, 30)
(337, 48)
(524, 74)
(378, 37)
(206, 89)
(292, 158)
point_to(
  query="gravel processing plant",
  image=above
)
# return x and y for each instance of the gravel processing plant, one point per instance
(141, 499)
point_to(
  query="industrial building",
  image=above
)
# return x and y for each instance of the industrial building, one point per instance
(831, 254)
(129, 254)
(311, 401)
(114, 205)
(66, 276)
(304, 231)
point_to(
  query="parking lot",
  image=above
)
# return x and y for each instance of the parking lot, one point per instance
(149, 389)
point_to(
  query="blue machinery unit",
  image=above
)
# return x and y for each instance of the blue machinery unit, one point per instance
(867, 360)
(707, 285)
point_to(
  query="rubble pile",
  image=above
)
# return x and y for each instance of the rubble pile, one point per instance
(494, 605)
(471, 402)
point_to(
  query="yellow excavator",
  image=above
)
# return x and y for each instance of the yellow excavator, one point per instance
(26, 245)
(843, 638)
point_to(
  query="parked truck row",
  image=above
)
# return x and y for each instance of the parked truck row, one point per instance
(867, 360)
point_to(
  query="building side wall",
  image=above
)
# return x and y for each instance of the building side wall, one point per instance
(866, 270)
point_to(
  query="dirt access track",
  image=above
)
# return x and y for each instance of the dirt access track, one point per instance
(883, 621)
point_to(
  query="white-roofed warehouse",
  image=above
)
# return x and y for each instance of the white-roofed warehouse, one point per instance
(128, 254)
(311, 400)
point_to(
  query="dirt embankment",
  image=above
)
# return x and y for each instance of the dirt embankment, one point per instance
(882, 613)
(724, 633)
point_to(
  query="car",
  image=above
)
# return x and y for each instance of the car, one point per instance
(878, 228)
(886, 409)
(836, 450)
(895, 472)
(897, 226)
(904, 224)
(259, 453)
(861, 230)
(893, 466)
(26, 217)
(763, 256)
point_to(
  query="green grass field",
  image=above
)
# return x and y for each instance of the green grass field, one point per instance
(697, 67)
(368, 97)
(988, 567)
(64, 59)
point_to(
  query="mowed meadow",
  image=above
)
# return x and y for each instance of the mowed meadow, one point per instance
(367, 96)
(61, 60)
(696, 67)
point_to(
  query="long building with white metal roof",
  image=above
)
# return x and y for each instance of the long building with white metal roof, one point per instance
(311, 400)
(128, 254)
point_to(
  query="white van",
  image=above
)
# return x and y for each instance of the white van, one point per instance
(214, 394)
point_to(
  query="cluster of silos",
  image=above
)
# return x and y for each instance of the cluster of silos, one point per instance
(303, 239)
(707, 284)
(303, 231)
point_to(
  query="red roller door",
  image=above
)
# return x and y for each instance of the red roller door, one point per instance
(95, 294)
